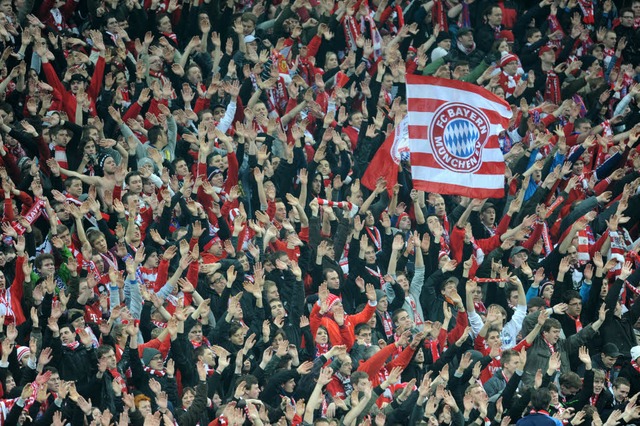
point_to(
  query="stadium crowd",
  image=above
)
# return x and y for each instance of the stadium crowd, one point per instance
(191, 234)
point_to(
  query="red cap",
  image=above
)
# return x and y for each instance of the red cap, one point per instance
(506, 34)
(546, 48)
(331, 300)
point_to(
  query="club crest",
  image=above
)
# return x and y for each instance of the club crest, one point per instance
(457, 135)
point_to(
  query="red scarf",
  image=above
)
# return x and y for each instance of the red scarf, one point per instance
(376, 238)
(5, 302)
(376, 273)
(73, 345)
(351, 32)
(552, 90)
(387, 324)
(551, 347)
(278, 97)
(577, 321)
(554, 25)
(116, 375)
(321, 349)
(197, 344)
(439, 16)
(60, 154)
(587, 10)
(435, 353)
(417, 318)
(157, 373)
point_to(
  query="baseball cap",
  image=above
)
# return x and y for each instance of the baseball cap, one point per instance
(610, 349)
(545, 49)
(518, 249)
(487, 206)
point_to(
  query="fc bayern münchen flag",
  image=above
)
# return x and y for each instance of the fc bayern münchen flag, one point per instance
(453, 137)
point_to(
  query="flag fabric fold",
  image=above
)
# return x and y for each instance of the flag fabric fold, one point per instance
(453, 130)
(386, 160)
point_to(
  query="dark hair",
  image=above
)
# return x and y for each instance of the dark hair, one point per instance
(249, 381)
(103, 350)
(233, 328)
(570, 380)
(397, 313)
(551, 323)
(361, 327)
(489, 10)
(570, 295)
(41, 258)
(199, 351)
(540, 399)
(507, 355)
(625, 10)
(159, 16)
(52, 369)
(70, 180)
(530, 32)
(154, 133)
(131, 174)
(621, 381)
(357, 376)
(580, 121)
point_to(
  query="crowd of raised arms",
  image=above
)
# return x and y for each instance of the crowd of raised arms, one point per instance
(187, 239)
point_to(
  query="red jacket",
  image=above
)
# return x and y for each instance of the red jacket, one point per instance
(15, 293)
(68, 98)
(344, 335)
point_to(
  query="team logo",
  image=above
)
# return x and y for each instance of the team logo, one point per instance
(457, 134)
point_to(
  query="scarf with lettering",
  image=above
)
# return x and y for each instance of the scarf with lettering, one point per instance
(351, 32)
(586, 6)
(278, 97)
(439, 15)
(552, 88)
(554, 25)
(387, 323)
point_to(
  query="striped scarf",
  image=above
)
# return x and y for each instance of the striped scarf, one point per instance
(585, 242)
(157, 373)
(60, 154)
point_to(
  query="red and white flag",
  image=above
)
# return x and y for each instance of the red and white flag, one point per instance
(453, 137)
(386, 160)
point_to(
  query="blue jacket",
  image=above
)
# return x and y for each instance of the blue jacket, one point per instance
(538, 419)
